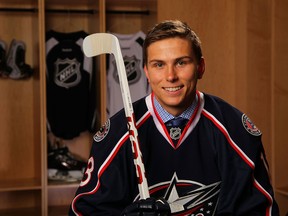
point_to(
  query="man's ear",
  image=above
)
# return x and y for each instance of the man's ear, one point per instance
(146, 72)
(201, 68)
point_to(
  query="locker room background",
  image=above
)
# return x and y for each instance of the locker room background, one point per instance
(245, 47)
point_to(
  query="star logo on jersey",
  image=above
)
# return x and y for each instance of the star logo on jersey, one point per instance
(132, 67)
(67, 72)
(188, 197)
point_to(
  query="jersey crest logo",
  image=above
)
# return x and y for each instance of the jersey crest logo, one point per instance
(175, 133)
(250, 126)
(103, 131)
(188, 197)
(132, 67)
(67, 72)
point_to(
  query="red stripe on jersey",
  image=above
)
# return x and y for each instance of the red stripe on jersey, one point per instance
(190, 120)
(266, 194)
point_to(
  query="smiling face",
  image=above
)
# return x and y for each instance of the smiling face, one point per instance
(172, 71)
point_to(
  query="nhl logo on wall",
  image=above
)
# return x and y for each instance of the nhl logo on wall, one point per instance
(103, 131)
(250, 126)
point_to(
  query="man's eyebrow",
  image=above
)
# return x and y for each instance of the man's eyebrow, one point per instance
(184, 57)
(190, 58)
(155, 60)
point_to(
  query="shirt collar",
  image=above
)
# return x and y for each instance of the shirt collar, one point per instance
(165, 116)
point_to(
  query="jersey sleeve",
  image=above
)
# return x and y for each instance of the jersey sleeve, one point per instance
(245, 183)
(109, 174)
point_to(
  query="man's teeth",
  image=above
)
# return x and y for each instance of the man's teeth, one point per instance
(172, 89)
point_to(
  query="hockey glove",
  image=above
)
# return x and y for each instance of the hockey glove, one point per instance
(148, 207)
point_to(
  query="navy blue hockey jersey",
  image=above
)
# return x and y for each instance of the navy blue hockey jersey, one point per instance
(218, 166)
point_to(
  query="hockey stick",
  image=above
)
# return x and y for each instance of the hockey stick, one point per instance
(101, 43)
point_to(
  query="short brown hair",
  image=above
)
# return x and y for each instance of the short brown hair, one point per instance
(170, 29)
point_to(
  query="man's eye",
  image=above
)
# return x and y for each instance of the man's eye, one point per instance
(158, 64)
(181, 63)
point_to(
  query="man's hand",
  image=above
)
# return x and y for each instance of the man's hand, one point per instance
(148, 207)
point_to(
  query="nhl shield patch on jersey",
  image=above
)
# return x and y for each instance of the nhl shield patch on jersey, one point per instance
(103, 131)
(250, 126)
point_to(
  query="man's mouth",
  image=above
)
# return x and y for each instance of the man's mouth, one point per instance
(172, 89)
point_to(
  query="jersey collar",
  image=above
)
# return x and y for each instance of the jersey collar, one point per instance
(166, 116)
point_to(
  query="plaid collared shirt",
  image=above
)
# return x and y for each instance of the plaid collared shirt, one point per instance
(165, 116)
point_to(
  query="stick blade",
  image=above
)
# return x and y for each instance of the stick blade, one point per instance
(99, 43)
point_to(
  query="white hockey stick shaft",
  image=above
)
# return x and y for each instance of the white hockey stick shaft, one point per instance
(101, 43)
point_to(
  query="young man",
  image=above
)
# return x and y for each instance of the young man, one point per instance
(212, 163)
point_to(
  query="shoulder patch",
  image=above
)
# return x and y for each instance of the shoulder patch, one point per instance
(250, 126)
(103, 131)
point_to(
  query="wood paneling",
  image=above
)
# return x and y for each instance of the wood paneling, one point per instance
(280, 102)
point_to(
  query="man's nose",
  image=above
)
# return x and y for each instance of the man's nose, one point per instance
(171, 74)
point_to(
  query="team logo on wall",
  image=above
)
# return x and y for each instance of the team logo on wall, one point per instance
(132, 67)
(250, 126)
(103, 131)
(188, 197)
(67, 72)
